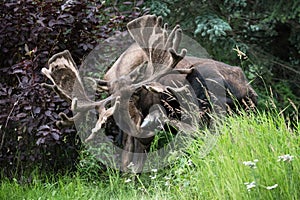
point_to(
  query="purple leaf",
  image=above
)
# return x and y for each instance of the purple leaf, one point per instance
(48, 113)
(55, 136)
(21, 115)
(44, 127)
(37, 110)
(40, 141)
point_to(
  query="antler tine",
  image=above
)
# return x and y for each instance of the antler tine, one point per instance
(174, 38)
(67, 121)
(177, 39)
(176, 58)
(172, 46)
(158, 25)
(165, 33)
(79, 106)
(104, 114)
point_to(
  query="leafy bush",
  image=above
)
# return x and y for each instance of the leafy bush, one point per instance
(30, 32)
(29, 138)
(211, 26)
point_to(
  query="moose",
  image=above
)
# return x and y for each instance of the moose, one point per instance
(151, 84)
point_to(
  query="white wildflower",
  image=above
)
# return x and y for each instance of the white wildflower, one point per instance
(153, 177)
(154, 170)
(272, 187)
(250, 185)
(167, 183)
(128, 180)
(130, 165)
(142, 189)
(285, 158)
(186, 183)
(190, 163)
(251, 164)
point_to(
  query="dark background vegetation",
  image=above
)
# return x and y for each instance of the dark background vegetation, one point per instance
(31, 31)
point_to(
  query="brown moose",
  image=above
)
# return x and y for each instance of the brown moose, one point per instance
(150, 74)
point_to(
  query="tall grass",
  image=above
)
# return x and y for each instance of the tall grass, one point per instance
(245, 163)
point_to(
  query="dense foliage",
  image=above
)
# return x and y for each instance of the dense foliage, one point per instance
(268, 32)
(31, 31)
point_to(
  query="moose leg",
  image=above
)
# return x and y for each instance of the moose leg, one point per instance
(128, 146)
(140, 155)
(134, 154)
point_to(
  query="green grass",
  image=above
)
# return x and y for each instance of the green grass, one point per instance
(219, 175)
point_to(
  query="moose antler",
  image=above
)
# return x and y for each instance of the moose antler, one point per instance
(160, 48)
(65, 78)
(68, 85)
